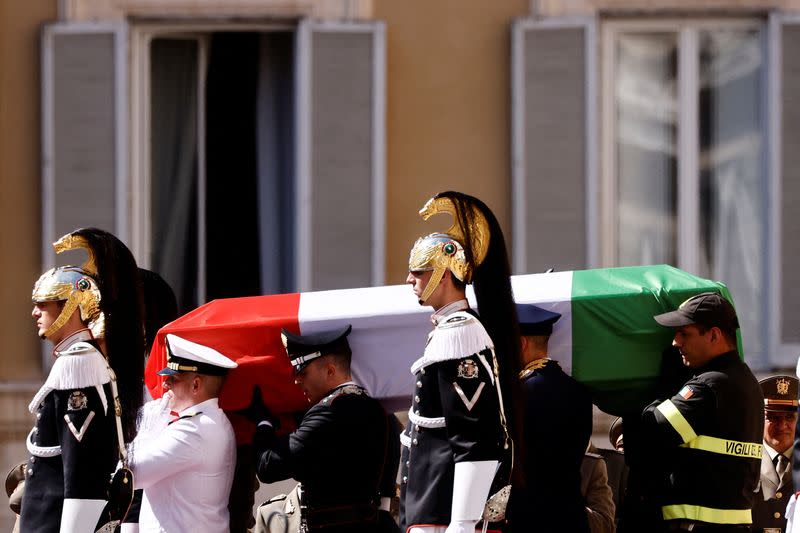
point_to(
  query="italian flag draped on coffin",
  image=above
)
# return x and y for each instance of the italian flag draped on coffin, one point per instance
(606, 338)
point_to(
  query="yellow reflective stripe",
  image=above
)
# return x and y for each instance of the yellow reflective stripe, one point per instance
(676, 420)
(751, 450)
(707, 514)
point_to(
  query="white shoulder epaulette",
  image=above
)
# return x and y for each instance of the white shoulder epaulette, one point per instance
(78, 367)
(455, 337)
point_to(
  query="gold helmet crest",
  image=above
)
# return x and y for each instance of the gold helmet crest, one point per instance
(445, 251)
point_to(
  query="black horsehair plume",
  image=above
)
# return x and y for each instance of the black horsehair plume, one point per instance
(118, 281)
(160, 306)
(498, 313)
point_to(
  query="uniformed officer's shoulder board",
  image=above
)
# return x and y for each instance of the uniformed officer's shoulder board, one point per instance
(458, 336)
(79, 366)
(532, 367)
(343, 391)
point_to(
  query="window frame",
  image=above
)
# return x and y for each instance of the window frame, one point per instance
(783, 354)
(687, 138)
(142, 36)
(688, 179)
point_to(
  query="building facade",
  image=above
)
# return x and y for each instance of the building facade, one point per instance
(255, 146)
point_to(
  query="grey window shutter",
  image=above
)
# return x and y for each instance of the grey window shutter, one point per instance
(340, 154)
(84, 167)
(554, 161)
(784, 101)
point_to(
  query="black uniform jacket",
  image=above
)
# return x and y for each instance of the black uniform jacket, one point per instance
(709, 435)
(557, 428)
(388, 485)
(73, 445)
(454, 417)
(769, 507)
(338, 452)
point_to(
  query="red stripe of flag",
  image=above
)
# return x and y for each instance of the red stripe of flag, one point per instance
(246, 330)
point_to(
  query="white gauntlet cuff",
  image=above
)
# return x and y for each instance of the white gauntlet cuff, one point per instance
(81, 516)
(471, 484)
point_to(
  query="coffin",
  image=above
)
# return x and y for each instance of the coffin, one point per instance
(606, 338)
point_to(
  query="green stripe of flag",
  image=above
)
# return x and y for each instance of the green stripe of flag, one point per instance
(616, 343)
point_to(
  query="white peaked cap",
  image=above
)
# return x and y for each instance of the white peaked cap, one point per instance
(188, 356)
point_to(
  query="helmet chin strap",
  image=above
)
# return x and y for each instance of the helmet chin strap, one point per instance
(438, 273)
(66, 312)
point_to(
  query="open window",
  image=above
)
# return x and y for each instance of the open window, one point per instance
(260, 162)
(215, 207)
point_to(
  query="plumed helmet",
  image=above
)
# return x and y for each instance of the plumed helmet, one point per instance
(109, 282)
(438, 252)
(461, 249)
(439, 249)
(480, 258)
(78, 289)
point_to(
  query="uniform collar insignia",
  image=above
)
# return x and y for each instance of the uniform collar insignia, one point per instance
(533, 366)
(82, 335)
(344, 388)
(449, 309)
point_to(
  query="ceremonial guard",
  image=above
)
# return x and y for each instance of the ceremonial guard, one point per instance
(457, 432)
(338, 452)
(75, 444)
(709, 433)
(557, 425)
(184, 454)
(776, 485)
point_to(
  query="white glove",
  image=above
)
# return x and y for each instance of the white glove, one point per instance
(471, 483)
(80, 515)
(461, 526)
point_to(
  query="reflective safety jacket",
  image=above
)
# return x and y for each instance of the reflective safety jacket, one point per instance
(709, 436)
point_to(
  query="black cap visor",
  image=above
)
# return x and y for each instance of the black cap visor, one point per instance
(781, 408)
(674, 319)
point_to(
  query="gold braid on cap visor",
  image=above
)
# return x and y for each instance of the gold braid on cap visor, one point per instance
(444, 251)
